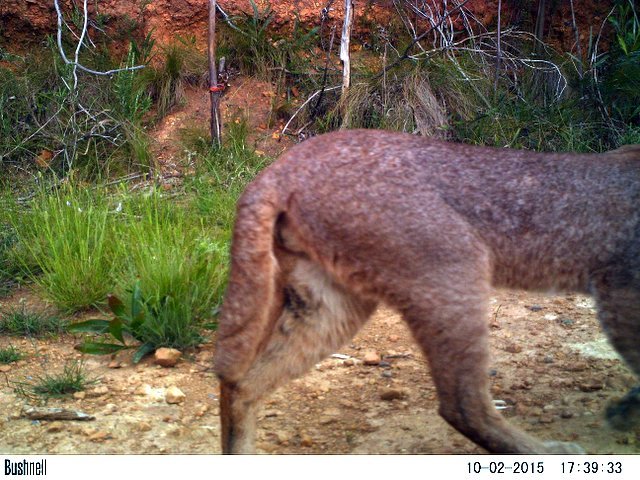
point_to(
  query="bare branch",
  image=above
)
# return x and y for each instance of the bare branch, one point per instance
(405, 54)
(284, 129)
(76, 64)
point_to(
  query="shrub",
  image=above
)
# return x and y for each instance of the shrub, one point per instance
(153, 325)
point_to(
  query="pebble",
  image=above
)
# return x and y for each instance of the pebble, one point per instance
(167, 357)
(55, 427)
(513, 348)
(114, 364)
(110, 408)
(99, 436)
(143, 426)
(5, 368)
(144, 390)
(305, 440)
(591, 387)
(174, 395)
(98, 391)
(546, 418)
(371, 358)
(330, 415)
(393, 394)
(387, 374)
(201, 410)
(394, 338)
(79, 395)
(535, 308)
(282, 437)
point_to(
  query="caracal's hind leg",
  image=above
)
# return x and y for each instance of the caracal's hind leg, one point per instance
(617, 293)
(317, 317)
(447, 314)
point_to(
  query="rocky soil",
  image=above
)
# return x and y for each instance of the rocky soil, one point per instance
(27, 21)
(551, 368)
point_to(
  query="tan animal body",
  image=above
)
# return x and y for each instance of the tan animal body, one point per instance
(349, 220)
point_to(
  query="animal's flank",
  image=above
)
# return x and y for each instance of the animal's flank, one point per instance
(347, 220)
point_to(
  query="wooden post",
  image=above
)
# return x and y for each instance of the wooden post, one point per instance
(345, 43)
(214, 89)
(539, 28)
(498, 49)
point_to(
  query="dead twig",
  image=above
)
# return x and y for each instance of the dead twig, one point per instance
(40, 413)
(405, 54)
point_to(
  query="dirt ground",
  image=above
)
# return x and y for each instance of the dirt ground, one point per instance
(551, 367)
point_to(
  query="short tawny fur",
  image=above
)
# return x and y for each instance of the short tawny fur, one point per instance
(349, 220)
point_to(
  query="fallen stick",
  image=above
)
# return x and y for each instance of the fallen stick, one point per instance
(41, 413)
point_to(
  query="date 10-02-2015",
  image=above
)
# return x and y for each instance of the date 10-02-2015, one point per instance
(568, 467)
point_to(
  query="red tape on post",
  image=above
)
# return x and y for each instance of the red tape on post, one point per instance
(217, 88)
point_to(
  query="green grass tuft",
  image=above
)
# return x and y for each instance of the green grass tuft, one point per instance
(10, 355)
(69, 236)
(22, 322)
(72, 379)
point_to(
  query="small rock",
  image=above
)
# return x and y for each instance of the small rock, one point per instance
(305, 440)
(114, 364)
(143, 426)
(266, 447)
(326, 420)
(546, 418)
(5, 368)
(174, 395)
(99, 436)
(393, 394)
(591, 387)
(349, 362)
(387, 374)
(548, 359)
(98, 391)
(330, 415)
(282, 437)
(55, 427)
(144, 390)
(513, 348)
(534, 308)
(566, 414)
(201, 410)
(167, 357)
(371, 358)
(110, 408)
(79, 395)
(394, 338)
